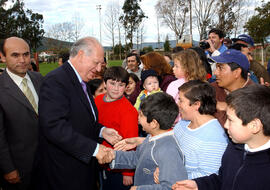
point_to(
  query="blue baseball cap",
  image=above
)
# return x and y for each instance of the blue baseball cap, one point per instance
(232, 56)
(245, 38)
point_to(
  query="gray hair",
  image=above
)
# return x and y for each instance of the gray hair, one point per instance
(86, 44)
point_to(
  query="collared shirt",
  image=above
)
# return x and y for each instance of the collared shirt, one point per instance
(260, 148)
(18, 81)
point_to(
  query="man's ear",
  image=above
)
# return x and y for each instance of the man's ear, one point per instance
(255, 126)
(3, 58)
(237, 72)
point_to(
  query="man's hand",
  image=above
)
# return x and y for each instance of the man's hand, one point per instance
(156, 176)
(185, 185)
(12, 177)
(111, 135)
(128, 144)
(133, 188)
(105, 155)
(212, 47)
(127, 180)
(264, 83)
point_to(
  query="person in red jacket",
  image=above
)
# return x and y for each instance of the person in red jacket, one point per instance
(115, 111)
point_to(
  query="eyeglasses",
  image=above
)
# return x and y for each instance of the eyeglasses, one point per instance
(131, 61)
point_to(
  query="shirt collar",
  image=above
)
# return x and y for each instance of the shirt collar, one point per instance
(76, 72)
(153, 138)
(16, 78)
(263, 147)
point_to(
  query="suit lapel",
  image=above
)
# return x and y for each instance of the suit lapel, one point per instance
(13, 90)
(77, 86)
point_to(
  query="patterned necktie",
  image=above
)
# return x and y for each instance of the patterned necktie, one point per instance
(29, 95)
(85, 92)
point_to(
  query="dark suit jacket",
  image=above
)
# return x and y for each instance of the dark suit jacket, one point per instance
(18, 126)
(68, 135)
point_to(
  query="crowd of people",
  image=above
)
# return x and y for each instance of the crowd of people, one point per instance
(198, 118)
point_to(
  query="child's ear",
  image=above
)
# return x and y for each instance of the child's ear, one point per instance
(154, 124)
(197, 104)
(255, 126)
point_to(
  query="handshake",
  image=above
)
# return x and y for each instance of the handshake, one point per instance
(105, 155)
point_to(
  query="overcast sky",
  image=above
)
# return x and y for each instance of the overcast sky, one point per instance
(55, 11)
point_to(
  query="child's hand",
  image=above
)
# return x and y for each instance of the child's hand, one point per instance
(128, 144)
(127, 180)
(156, 176)
(133, 188)
(185, 185)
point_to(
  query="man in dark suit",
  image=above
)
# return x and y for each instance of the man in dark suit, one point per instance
(69, 130)
(19, 91)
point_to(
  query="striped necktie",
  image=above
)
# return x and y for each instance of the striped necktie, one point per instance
(29, 95)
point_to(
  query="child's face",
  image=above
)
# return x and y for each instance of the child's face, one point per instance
(143, 121)
(131, 86)
(178, 70)
(185, 109)
(100, 90)
(236, 130)
(151, 83)
(115, 89)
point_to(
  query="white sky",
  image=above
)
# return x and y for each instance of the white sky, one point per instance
(58, 11)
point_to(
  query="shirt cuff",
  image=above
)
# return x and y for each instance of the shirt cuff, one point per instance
(96, 151)
(100, 133)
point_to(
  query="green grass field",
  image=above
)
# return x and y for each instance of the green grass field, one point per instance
(47, 67)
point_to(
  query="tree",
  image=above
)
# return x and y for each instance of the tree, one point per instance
(166, 45)
(131, 18)
(173, 13)
(78, 23)
(16, 21)
(204, 11)
(148, 49)
(258, 25)
(226, 15)
(111, 19)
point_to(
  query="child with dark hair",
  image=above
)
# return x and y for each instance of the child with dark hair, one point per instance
(200, 135)
(149, 84)
(159, 149)
(96, 87)
(116, 112)
(130, 89)
(246, 161)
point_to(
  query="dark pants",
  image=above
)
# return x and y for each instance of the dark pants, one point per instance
(112, 180)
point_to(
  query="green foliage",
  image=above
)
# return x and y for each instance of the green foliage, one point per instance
(131, 18)
(16, 21)
(166, 45)
(148, 49)
(258, 26)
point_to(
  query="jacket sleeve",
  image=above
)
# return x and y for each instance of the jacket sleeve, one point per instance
(56, 123)
(6, 162)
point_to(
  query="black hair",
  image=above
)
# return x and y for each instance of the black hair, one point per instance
(137, 57)
(217, 31)
(203, 57)
(234, 66)
(116, 73)
(177, 49)
(161, 107)
(197, 90)
(252, 102)
(64, 56)
(34, 66)
(238, 46)
(94, 85)
(134, 77)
